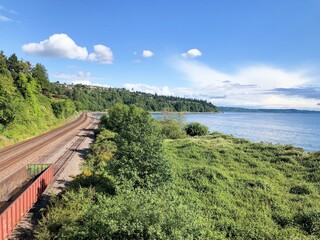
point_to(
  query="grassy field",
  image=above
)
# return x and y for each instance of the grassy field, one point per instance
(249, 190)
(222, 188)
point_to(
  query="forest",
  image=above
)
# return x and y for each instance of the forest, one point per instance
(100, 98)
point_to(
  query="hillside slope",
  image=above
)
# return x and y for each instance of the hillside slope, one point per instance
(26, 108)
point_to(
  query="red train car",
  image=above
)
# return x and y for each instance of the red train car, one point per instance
(15, 211)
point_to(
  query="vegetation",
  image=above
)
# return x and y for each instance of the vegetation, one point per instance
(100, 98)
(24, 109)
(172, 126)
(139, 156)
(220, 187)
(196, 129)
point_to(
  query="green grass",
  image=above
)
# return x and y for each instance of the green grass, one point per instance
(222, 188)
(30, 122)
(247, 190)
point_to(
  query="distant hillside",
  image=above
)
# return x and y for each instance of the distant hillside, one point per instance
(100, 98)
(237, 109)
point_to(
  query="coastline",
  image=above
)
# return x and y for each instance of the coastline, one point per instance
(169, 112)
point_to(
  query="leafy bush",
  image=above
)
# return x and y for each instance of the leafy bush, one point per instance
(300, 190)
(135, 214)
(139, 157)
(172, 128)
(196, 129)
(63, 108)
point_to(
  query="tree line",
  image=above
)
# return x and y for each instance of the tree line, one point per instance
(100, 98)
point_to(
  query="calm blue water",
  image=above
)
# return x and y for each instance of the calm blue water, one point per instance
(297, 129)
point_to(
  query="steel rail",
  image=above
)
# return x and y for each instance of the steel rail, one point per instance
(61, 163)
(11, 148)
(47, 138)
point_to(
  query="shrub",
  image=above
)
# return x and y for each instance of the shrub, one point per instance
(171, 128)
(139, 157)
(300, 190)
(63, 108)
(196, 129)
(135, 214)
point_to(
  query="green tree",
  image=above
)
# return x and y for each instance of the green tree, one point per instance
(13, 65)
(39, 73)
(7, 90)
(3, 60)
(139, 157)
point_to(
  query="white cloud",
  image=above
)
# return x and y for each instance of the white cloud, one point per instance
(62, 46)
(89, 83)
(192, 53)
(5, 19)
(141, 87)
(147, 53)
(58, 45)
(7, 10)
(262, 76)
(250, 86)
(101, 54)
(81, 77)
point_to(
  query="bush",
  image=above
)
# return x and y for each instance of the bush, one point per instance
(63, 108)
(196, 129)
(300, 190)
(139, 157)
(135, 214)
(171, 128)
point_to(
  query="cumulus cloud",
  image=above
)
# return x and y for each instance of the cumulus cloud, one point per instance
(58, 45)
(101, 54)
(147, 53)
(62, 46)
(192, 53)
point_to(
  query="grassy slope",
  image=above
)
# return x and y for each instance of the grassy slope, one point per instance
(247, 190)
(30, 121)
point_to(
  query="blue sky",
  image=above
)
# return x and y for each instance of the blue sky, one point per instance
(233, 53)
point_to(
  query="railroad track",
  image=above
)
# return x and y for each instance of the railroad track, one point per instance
(30, 146)
(61, 163)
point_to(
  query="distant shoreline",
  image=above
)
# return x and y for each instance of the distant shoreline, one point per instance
(167, 112)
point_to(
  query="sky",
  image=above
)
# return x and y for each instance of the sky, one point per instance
(255, 54)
